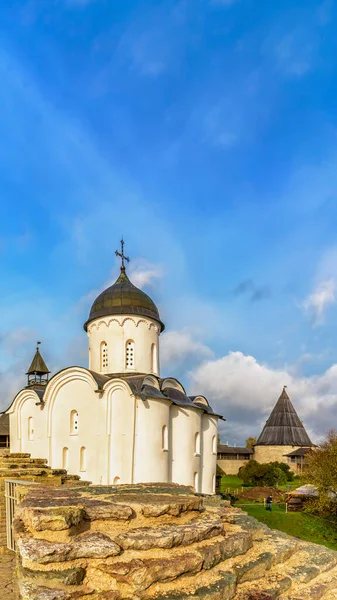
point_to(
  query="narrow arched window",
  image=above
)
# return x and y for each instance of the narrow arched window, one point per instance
(104, 357)
(74, 422)
(197, 443)
(83, 459)
(213, 484)
(65, 458)
(117, 480)
(196, 481)
(164, 437)
(30, 428)
(214, 448)
(154, 358)
(130, 354)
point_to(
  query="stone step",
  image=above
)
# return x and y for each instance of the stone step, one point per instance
(43, 552)
(23, 465)
(255, 527)
(250, 570)
(168, 536)
(319, 588)
(17, 473)
(267, 588)
(67, 477)
(158, 505)
(15, 455)
(217, 584)
(5, 460)
(73, 483)
(308, 573)
(144, 568)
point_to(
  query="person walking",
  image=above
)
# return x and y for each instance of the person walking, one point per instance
(269, 503)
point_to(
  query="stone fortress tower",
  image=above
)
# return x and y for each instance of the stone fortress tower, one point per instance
(283, 435)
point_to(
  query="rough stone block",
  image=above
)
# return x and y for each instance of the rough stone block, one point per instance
(143, 573)
(169, 536)
(157, 506)
(254, 569)
(93, 545)
(223, 589)
(99, 510)
(52, 519)
(73, 576)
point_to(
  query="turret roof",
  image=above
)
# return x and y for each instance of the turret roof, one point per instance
(284, 428)
(38, 365)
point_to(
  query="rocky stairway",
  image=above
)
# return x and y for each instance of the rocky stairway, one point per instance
(21, 466)
(159, 542)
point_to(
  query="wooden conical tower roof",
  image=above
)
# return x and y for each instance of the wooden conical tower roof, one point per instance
(38, 366)
(284, 428)
(38, 372)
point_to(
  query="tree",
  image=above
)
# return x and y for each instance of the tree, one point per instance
(285, 468)
(321, 471)
(250, 442)
(268, 474)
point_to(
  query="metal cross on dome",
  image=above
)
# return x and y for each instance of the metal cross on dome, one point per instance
(122, 255)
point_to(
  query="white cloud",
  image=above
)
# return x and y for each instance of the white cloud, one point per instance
(144, 273)
(317, 303)
(178, 347)
(17, 351)
(245, 391)
(15, 342)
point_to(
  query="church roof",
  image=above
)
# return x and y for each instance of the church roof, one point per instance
(139, 387)
(38, 365)
(123, 298)
(284, 428)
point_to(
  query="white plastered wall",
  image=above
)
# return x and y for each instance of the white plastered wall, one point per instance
(25, 407)
(151, 459)
(121, 406)
(209, 456)
(186, 463)
(116, 332)
(74, 390)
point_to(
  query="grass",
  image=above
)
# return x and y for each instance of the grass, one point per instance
(292, 485)
(233, 482)
(319, 530)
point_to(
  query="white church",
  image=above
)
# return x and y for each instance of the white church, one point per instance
(117, 421)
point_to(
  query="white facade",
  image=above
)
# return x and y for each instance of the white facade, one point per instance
(112, 424)
(124, 345)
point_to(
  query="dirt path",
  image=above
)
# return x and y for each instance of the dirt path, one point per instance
(7, 565)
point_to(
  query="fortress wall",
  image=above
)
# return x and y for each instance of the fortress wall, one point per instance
(231, 467)
(266, 454)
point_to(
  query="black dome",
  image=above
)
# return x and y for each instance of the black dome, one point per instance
(123, 298)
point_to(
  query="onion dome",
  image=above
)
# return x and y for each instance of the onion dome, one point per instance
(284, 427)
(123, 298)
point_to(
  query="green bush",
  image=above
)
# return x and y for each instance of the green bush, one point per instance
(269, 474)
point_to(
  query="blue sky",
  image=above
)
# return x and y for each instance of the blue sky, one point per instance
(204, 131)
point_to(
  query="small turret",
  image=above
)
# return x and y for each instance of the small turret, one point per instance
(38, 372)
